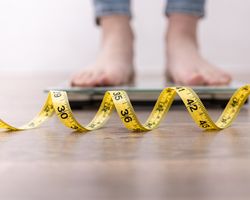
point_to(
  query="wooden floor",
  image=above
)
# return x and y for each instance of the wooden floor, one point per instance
(175, 161)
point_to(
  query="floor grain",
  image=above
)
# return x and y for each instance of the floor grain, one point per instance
(175, 161)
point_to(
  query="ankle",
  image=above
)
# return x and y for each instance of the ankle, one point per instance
(183, 24)
(182, 28)
(116, 25)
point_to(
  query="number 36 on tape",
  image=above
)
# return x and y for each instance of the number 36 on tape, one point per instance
(57, 103)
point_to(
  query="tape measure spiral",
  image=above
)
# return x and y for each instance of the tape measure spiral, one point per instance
(57, 103)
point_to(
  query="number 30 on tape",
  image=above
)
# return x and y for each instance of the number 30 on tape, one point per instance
(57, 103)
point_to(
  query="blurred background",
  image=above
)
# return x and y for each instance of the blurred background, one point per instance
(61, 34)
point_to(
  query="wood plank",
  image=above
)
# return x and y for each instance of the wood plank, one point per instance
(175, 161)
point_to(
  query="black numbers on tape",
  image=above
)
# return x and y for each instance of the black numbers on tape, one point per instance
(117, 95)
(204, 124)
(191, 105)
(106, 107)
(92, 125)
(63, 115)
(169, 90)
(180, 89)
(48, 108)
(32, 124)
(74, 127)
(128, 119)
(224, 119)
(125, 114)
(235, 102)
(61, 109)
(193, 108)
(160, 107)
(57, 94)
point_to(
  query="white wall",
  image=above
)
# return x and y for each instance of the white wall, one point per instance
(60, 34)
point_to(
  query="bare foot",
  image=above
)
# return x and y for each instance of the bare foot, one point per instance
(114, 65)
(185, 65)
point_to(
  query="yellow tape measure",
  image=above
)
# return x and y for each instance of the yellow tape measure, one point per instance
(57, 102)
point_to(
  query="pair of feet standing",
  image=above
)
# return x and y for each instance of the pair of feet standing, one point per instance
(185, 65)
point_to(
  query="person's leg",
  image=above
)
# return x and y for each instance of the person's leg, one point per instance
(185, 65)
(114, 64)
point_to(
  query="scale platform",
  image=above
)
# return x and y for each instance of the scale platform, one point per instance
(145, 94)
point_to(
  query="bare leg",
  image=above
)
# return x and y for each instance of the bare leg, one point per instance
(114, 65)
(185, 65)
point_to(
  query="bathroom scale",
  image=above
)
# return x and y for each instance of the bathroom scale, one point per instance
(145, 94)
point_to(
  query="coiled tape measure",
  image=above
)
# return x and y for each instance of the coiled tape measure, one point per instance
(57, 102)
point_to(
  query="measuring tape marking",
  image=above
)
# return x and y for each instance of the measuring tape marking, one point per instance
(57, 103)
